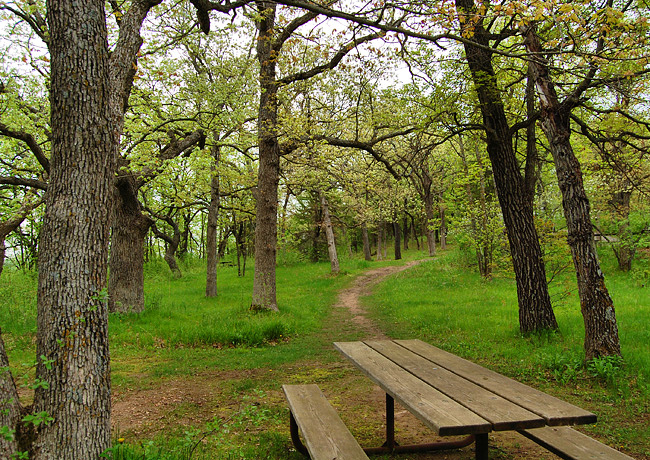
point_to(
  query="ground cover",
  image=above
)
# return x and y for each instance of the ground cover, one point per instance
(201, 379)
(477, 319)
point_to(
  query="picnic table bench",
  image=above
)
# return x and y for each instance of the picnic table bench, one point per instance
(450, 395)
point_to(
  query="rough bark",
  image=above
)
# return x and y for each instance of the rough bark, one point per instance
(264, 288)
(10, 407)
(329, 234)
(213, 221)
(72, 316)
(367, 252)
(535, 311)
(129, 229)
(601, 329)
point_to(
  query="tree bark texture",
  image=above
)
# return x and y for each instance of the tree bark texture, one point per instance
(129, 229)
(72, 314)
(601, 329)
(535, 311)
(264, 288)
(10, 408)
(329, 235)
(213, 222)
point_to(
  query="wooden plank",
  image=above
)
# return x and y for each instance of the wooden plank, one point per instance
(503, 414)
(436, 410)
(572, 445)
(553, 410)
(326, 436)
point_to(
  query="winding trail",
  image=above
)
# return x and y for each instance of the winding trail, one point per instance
(349, 299)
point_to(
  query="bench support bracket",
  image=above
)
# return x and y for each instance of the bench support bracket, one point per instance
(295, 436)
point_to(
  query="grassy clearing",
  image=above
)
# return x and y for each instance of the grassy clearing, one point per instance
(444, 304)
(207, 373)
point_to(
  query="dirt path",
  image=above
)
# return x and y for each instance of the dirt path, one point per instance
(350, 298)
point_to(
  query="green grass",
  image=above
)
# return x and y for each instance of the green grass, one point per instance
(182, 335)
(443, 303)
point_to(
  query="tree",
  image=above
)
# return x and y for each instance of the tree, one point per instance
(130, 225)
(72, 313)
(535, 311)
(601, 329)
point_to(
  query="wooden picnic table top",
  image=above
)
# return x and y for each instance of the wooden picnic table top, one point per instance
(454, 396)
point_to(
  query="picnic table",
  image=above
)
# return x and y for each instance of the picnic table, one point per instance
(453, 396)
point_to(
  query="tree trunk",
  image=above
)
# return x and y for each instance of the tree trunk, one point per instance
(266, 237)
(415, 233)
(329, 234)
(186, 234)
(625, 248)
(10, 408)
(130, 227)
(430, 231)
(367, 253)
(213, 221)
(171, 243)
(380, 234)
(405, 230)
(72, 315)
(398, 243)
(535, 311)
(443, 229)
(601, 329)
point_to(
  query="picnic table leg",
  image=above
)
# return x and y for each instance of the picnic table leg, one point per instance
(481, 446)
(390, 422)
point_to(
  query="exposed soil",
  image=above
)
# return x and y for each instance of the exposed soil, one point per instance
(146, 412)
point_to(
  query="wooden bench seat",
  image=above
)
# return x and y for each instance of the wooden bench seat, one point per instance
(326, 436)
(570, 444)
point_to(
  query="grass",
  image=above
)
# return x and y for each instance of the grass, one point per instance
(443, 303)
(238, 360)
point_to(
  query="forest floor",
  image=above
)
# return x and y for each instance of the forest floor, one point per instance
(141, 413)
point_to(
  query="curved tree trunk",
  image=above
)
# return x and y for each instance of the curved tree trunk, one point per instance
(601, 329)
(71, 310)
(329, 234)
(266, 232)
(535, 311)
(171, 243)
